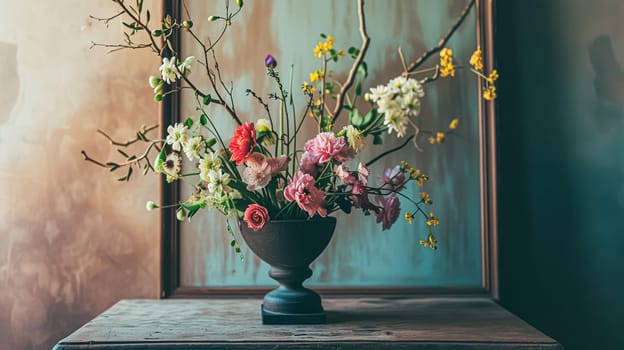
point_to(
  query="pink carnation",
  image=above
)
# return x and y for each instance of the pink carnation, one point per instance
(309, 164)
(309, 198)
(256, 216)
(326, 146)
(260, 170)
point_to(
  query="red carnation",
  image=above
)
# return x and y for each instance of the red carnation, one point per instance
(242, 142)
(256, 216)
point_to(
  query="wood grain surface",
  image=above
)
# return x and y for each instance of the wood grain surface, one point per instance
(427, 323)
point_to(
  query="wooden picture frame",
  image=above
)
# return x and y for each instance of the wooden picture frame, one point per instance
(169, 283)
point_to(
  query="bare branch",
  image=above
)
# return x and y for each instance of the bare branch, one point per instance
(420, 60)
(107, 20)
(144, 130)
(155, 46)
(360, 57)
(370, 162)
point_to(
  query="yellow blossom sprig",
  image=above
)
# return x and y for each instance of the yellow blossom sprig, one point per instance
(447, 68)
(476, 61)
(440, 136)
(425, 198)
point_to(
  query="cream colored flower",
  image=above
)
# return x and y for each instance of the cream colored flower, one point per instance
(168, 70)
(194, 147)
(355, 138)
(177, 136)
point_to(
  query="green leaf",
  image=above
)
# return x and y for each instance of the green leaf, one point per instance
(123, 153)
(363, 70)
(356, 119)
(207, 100)
(377, 139)
(141, 136)
(323, 36)
(129, 173)
(203, 119)
(358, 89)
(140, 5)
(188, 122)
(344, 204)
(211, 142)
(130, 25)
(148, 16)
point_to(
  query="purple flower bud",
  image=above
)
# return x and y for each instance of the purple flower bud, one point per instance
(270, 61)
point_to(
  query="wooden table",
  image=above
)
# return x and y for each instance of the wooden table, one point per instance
(362, 323)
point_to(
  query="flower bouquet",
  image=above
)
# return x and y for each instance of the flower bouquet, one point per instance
(283, 188)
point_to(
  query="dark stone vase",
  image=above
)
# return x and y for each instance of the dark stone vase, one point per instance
(290, 246)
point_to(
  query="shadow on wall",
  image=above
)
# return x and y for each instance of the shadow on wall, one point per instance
(609, 83)
(560, 169)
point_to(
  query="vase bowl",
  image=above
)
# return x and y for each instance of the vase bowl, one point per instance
(289, 247)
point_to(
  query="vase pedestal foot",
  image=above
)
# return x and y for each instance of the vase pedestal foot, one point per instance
(269, 317)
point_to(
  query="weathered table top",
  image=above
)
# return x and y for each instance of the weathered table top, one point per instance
(363, 323)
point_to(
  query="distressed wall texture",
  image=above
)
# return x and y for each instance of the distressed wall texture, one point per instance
(360, 254)
(72, 239)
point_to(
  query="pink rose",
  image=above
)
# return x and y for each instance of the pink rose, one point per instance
(256, 216)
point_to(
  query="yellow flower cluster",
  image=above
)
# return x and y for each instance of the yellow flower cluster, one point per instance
(430, 242)
(426, 198)
(409, 217)
(318, 75)
(439, 138)
(323, 48)
(454, 123)
(433, 221)
(447, 68)
(414, 173)
(307, 88)
(476, 61)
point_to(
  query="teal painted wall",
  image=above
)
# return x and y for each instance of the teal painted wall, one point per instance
(561, 167)
(361, 254)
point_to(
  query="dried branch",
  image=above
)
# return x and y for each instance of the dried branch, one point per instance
(420, 60)
(358, 60)
(143, 26)
(144, 130)
(107, 20)
(89, 159)
(392, 150)
(117, 47)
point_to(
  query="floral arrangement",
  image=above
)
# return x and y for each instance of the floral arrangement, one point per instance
(264, 170)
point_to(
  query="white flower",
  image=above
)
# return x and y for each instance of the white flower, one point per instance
(177, 136)
(211, 161)
(217, 181)
(185, 66)
(194, 147)
(411, 103)
(412, 85)
(172, 167)
(354, 138)
(168, 70)
(380, 92)
(397, 122)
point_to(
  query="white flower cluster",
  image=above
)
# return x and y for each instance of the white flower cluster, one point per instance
(213, 191)
(170, 72)
(398, 101)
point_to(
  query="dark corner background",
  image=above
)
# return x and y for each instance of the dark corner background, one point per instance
(561, 167)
